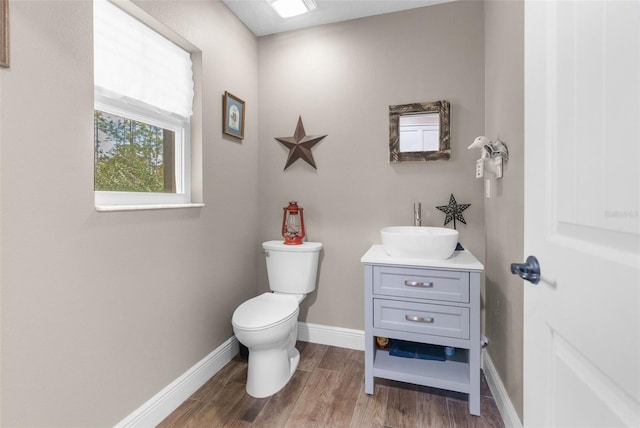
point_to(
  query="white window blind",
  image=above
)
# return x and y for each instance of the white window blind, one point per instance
(133, 61)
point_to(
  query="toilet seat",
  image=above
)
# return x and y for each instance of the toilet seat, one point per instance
(265, 311)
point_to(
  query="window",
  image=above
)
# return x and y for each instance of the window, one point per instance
(143, 86)
(136, 155)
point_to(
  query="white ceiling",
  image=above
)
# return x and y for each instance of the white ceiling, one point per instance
(262, 20)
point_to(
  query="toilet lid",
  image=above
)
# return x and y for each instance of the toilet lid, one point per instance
(264, 311)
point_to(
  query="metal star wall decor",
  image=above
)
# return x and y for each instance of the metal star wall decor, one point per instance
(300, 145)
(453, 211)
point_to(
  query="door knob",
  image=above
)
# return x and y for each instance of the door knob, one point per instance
(529, 271)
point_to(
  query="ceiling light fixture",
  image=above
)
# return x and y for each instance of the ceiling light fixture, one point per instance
(290, 8)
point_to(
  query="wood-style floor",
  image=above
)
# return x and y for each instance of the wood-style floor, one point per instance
(327, 390)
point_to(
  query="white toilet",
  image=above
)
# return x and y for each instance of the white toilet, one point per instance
(268, 324)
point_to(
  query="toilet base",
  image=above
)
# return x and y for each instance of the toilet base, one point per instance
(270, 370)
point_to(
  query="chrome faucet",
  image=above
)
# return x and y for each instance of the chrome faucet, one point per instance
(417, 214)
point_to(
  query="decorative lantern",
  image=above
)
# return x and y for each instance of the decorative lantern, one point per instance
(293, 224)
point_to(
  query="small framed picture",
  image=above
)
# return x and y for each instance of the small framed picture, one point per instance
(4, 33)
(233, 115)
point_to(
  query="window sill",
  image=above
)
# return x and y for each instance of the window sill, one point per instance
(107, 208)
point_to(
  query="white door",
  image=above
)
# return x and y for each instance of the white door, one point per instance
(582, 191)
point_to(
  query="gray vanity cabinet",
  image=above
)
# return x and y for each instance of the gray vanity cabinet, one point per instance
(424, 301)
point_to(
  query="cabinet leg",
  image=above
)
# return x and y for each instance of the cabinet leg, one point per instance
(368, 385)
(474, 374)
(369, 355)
(474, 404)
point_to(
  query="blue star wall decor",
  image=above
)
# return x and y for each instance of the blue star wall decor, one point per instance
(300, 145)
(453, 211)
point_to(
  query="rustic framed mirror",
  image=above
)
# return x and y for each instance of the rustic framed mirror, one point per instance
(419, 132)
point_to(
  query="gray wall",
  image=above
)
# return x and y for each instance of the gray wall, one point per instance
(341, 79)
(100, 311)
(504, 211)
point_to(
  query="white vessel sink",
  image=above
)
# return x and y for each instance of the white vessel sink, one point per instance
(417, 242)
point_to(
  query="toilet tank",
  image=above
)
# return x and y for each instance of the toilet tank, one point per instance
(292, 268)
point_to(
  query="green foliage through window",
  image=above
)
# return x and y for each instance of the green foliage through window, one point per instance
(132, 156)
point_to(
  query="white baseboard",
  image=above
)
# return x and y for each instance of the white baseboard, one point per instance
(505, 406)
(328, 335)
(156, 409)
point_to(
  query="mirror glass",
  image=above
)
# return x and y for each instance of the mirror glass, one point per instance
(419, 132)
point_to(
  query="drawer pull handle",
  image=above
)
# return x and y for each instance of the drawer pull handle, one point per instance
(418, 284)
(414, 318)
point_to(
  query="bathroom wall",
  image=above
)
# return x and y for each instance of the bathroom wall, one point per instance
(100, 311)
(341, 79)
(504, 211)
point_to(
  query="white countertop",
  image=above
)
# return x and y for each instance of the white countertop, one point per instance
(462, 260)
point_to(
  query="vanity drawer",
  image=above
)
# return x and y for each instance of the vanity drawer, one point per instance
(449, 286)
(436, 320)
